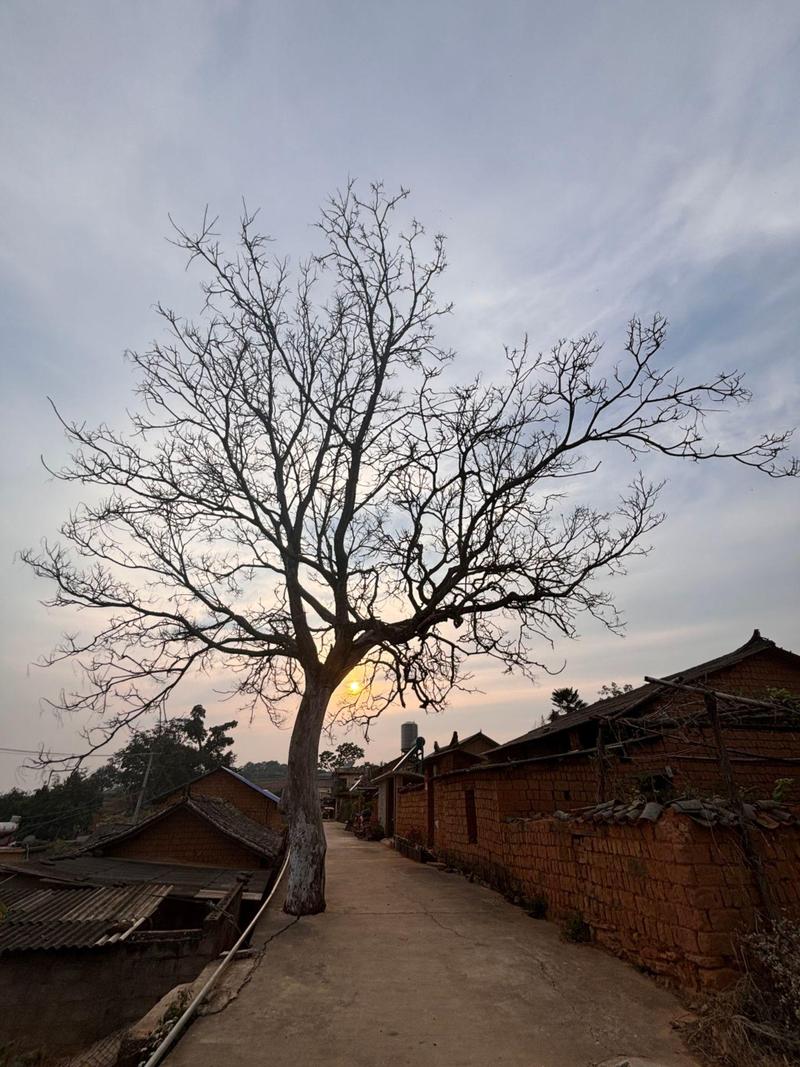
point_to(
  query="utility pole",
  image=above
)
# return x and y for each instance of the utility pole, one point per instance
(144, 786)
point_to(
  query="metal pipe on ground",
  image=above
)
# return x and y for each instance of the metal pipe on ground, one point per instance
(181, 1024)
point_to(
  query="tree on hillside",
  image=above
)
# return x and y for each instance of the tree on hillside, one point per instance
(302, 497)
(55, 810)
(181, 748)
(565, 700)
(255, 772)
(346, 755)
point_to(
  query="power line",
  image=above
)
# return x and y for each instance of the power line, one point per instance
(69, 755)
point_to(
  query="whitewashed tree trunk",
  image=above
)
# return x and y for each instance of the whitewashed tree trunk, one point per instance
(306, 889)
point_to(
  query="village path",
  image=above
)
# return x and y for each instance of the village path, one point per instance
(413, 966)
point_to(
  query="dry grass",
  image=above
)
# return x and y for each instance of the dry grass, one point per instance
(757, 1023)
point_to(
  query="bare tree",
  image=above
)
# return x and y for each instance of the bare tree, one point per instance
(300, 497)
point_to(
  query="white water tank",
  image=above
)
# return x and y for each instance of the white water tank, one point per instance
(408, 736)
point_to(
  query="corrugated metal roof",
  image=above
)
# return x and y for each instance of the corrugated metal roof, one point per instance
(185, 881)
(51, 917)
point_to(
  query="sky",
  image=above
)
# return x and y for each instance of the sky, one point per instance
(587, 162)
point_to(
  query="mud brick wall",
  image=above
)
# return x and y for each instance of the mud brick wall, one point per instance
(567, 783)
(755, 675)
(451, 837)
(695, 767)
(669, 896)
(411, 812)
(571, 781)
(182, 837)
(220, 784)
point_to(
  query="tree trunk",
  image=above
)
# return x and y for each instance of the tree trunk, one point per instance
(306, 890)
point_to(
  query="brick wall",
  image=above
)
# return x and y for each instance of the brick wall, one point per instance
(667, 896)
(670, 896)
(221, 784)
(410, 815)
(567, 782)
(451, 838)
(695, 767)
(183, 837)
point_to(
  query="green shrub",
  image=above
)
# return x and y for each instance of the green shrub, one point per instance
(783, 787)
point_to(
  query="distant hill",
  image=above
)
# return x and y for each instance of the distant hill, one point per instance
(265, 769)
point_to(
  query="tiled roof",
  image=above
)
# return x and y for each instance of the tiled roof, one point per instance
(222, 815)
(50, 917)
(636, 698)
(229, 820)
(708, 812)
(455, 746)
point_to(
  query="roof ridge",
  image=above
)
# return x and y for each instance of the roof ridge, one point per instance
(628, 701)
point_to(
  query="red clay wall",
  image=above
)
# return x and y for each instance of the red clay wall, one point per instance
(571, 781)
(669, 895)
(220, 784)
(410, 814)
(450, 833)
(183, 837)
(695, 767)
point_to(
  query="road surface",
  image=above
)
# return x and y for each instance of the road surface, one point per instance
(414, 967)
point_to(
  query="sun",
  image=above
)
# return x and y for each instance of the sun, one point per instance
(354, 687)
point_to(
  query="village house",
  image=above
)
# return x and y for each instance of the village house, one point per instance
(193, 829)
(661, 738)
(415, 803)
(457, 755)
(136, 909)
(387, 782)
(751, 670)
(607, 812)
(255, 801)
(78, 959)
(346, 792)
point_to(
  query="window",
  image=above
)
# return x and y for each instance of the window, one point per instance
(472, 816)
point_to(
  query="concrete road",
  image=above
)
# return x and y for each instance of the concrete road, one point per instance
(413, 966)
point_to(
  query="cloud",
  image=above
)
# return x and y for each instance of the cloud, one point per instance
(587, 162)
